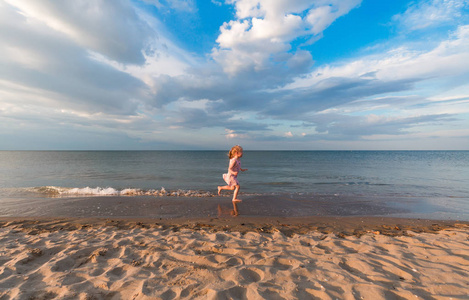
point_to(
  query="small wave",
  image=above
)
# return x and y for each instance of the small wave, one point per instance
(109, 191)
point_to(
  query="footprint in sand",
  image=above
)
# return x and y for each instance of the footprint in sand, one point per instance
(71, 279)
(116, 273)
(236, 292)
(243, 276)
(234, 261)
(64, 264)
(279, 264)
(250, 275)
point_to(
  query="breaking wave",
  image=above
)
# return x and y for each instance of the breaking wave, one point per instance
(109, 191)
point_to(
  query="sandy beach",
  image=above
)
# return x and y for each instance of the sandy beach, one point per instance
(233, 258)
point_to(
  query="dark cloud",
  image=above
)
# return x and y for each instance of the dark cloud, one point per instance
(338, 91)
(340, 127)
(194, 118)
(337, 127)
(245, 91)
(239, 95)
(245, 94)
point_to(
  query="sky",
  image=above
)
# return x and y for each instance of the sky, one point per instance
(210, 74)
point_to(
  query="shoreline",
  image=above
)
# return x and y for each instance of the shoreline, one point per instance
(340, 226)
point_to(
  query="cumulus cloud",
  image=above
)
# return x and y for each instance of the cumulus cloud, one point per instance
(260, 38)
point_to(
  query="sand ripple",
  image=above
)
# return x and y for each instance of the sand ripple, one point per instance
(163, 263)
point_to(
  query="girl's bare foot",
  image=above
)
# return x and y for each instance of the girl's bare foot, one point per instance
(219, 190)
(237, 200)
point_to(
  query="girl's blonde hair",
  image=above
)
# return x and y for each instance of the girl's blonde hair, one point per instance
(234, 150)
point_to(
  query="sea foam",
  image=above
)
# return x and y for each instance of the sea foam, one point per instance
(109, 191)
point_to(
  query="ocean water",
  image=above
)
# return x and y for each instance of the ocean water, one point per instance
(423, 183)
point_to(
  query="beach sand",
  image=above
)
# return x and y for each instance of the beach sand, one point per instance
(233, 258)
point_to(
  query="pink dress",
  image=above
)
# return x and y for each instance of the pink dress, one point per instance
(230, 178)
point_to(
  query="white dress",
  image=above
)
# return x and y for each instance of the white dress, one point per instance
(230, 178)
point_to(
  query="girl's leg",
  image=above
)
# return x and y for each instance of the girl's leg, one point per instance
(226, 187)
(235, 194)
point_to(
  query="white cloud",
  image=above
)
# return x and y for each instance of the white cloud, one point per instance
(262, 34)
(231, 134)
(321, 17)
(430, 13)
(47, 49)
(449, 58)
(110, 28)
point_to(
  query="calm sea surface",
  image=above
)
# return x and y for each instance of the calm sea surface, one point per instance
(439, 177)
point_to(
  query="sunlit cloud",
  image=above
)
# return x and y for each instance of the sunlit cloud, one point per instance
(262, 34)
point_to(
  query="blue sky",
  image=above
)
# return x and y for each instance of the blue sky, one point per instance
(186, 74)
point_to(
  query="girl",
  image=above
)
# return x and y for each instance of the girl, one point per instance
(231, 178)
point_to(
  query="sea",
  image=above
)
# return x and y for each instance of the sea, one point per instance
(415, 184)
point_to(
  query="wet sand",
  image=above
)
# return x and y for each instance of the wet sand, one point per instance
(200, 207)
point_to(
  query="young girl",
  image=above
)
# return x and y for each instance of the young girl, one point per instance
(231, 178)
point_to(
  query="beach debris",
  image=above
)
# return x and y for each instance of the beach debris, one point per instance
(136, 263)
(35, 251)
(341, 235)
